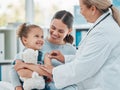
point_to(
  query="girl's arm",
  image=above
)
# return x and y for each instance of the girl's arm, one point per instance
(18, 88)
(47, 60)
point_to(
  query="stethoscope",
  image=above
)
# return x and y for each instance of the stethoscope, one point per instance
(97, 23)
(93, 28)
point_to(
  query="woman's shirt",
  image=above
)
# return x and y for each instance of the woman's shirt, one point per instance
(65, 49)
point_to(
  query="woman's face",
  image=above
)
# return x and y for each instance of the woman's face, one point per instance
(58, 31)
(86, 12)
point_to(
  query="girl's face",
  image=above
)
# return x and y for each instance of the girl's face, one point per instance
(86, 12)
(58, 31)
(34, 39)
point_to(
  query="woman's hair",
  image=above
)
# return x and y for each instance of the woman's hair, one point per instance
(67, 18)
(24, 29)
(104, 6)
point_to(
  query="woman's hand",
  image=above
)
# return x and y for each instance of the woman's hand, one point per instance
(47, 70)
(57, 55)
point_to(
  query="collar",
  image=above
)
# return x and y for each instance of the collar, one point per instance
(100, 18)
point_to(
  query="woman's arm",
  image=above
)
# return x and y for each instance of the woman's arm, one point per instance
(21, 70)
(36, 68)
(47, 71)
(25, 73)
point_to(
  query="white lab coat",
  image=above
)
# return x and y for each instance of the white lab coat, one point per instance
(96, 65)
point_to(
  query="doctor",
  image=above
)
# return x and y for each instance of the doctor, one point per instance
(96, 65)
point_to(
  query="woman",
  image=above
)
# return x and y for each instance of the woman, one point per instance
(96, 66)
(59, 38)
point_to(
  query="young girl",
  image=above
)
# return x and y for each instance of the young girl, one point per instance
(32, 38)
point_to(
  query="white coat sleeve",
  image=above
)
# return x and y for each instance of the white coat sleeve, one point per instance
(87, 62)
(69, 58)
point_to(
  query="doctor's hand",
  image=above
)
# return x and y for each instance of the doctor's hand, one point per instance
(55, 54)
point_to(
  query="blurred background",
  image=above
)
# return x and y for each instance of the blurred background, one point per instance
(33, 11)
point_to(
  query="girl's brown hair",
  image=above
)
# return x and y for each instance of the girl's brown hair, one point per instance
(24, 29)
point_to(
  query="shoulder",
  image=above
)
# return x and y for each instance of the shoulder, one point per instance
(46, 47)
(46, 43)
(65, 48)
(69, 48)
(18, 55)
(68, 45)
